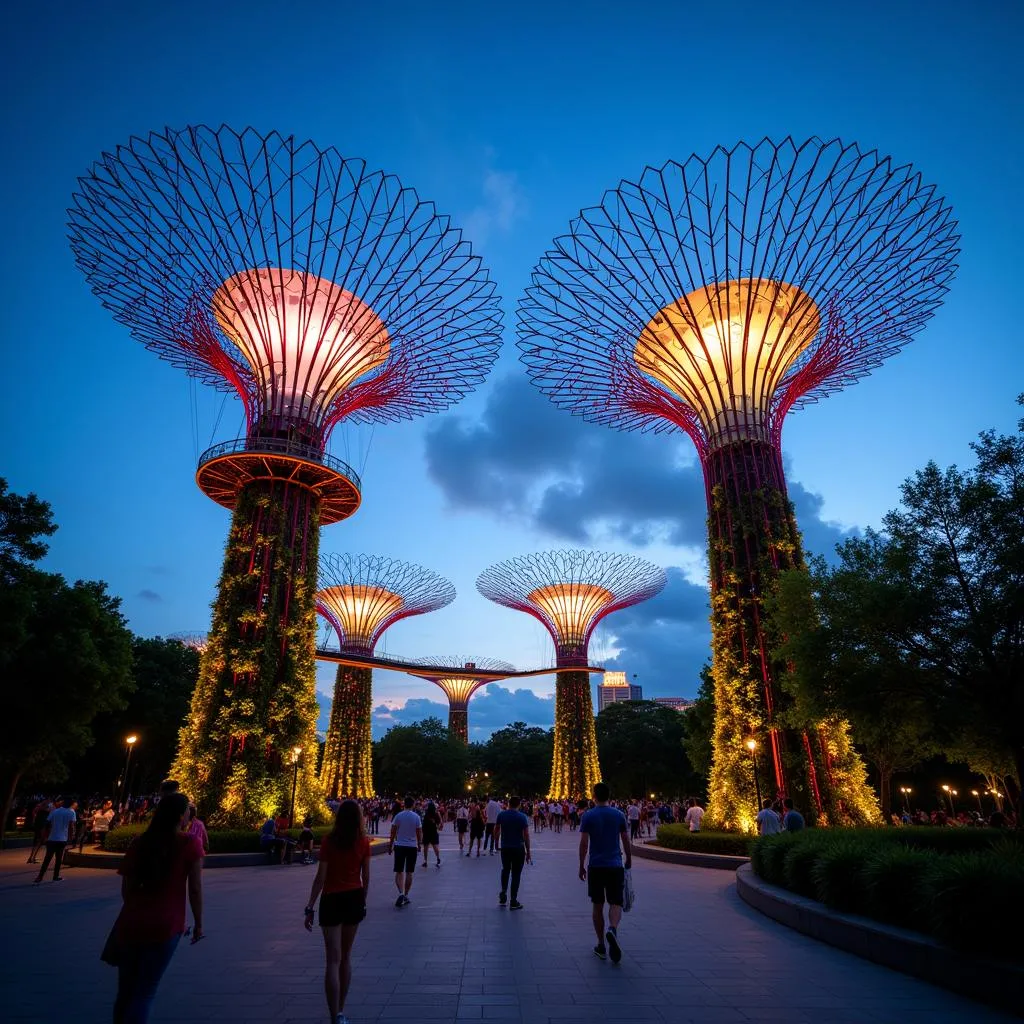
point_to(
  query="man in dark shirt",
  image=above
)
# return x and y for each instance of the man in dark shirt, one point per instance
(602, 833)
(513, 828)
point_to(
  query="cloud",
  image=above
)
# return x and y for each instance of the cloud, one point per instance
(502, 206)
(493, 707)
(527, 460)
(150, 595)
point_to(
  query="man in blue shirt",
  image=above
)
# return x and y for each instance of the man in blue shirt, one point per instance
(792, 820)
(603, 833)
(513, 828)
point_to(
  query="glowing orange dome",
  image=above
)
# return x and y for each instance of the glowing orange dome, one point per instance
(724, 349)
(306, 339)
(572, 608)
(359, 610)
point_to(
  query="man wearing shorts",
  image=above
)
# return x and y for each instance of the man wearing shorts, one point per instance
(406, 837)
(603, 835)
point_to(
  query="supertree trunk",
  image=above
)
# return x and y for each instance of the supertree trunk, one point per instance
(752, 538)
(458, 721)
(348, 753)
(574, 768)
(255, 699)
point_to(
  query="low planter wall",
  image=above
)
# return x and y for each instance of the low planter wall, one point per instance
(102, 859)
(721, 861)
(991, 981)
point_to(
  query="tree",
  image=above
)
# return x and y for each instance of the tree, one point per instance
(165, 674)
(518, 759)
(65, 651)
(420, 758)
(918, 631)
(640, 744)
(75, 662)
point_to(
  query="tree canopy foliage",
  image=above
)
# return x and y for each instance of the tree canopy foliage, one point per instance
(916, 635)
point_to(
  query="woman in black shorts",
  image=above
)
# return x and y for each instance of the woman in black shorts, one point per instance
(476, 829)
(344, 877)
(431, 823)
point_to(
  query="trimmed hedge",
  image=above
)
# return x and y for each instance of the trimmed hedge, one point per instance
(221, 840)
(679, 837)
(964, 886)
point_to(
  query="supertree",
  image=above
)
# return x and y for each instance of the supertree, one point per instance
(361, 596)
(459, 679)
(197, 641)
(570, 592)
(318, 291)
(712, 297)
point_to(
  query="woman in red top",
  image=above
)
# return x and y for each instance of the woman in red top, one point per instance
(344, 877)
(154, 874)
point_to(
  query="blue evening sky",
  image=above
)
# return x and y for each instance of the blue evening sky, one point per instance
(510, 117)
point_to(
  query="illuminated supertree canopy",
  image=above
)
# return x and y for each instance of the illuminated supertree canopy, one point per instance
(197, 641)
(712, 297)
(361, 596)
(570, 592)
(318, 291)
(460, 687)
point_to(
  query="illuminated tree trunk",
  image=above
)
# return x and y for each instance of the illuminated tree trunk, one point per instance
(348, 753)
(458, 720)
(256, 695)
(752, 538)
(574, 767)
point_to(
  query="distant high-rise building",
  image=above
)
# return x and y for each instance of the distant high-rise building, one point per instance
(676, 703)
(615, 688)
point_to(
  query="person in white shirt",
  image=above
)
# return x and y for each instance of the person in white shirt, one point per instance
(768, 822)
(101, 822)
(462, 824)
(694, 816)
(491, 813)
(61, 822)
(406, 837)
(633, 817)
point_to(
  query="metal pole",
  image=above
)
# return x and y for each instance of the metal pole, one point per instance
(295, 780)
(757, 781)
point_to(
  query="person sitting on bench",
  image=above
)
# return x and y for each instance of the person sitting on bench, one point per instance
(274, 840)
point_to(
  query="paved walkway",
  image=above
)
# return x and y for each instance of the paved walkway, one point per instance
(692, 952)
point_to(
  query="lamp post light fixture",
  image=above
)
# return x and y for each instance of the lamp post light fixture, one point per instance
(296, 753)
(949, 796)
(906, 791)
(752, 747)
(129, 742)
(977, 796)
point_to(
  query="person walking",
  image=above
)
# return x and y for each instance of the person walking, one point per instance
(432, 824)
(61, 824)
(343, 876)
(513, 828)
(602, 833)
(405, 840)
(633, 817)
(491, 819)
(40, 813)
(197, 828)
(462, 825)
(476, 829)
(101, 822)
(157, 869)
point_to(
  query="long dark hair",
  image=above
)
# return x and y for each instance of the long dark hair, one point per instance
(348, 826)
(158, 845)
(431, 812)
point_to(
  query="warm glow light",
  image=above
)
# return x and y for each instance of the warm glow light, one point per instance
(974, 792)
(725, 348)
(572, 608)
(360, 611)
(458, 689)
(946, 788)
(132, 740)
(306, 339)
(751, 745)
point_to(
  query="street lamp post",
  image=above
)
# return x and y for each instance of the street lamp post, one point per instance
(906, 791)
(296, 751)
(977, 796)
(949, 796)
(130, 744)
(752, 747)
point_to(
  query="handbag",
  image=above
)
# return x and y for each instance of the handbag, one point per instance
(628, 893)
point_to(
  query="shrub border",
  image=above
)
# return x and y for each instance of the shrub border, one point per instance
(721, 861)
(989, 981)
(102, 859)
